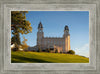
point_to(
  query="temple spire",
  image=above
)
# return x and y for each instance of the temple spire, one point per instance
(66, 28)
(40, 25)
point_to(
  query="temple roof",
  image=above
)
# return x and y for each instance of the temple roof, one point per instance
(66, 28)
(40, 25)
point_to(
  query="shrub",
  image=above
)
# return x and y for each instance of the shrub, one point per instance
(56, 51)
(16, 47)
(49, 50)
(39, 49)
(46, 50)
(26, 50)
(60, 51)
(71, 52)
(43, 50)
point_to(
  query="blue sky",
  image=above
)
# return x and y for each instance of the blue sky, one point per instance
(54, 23)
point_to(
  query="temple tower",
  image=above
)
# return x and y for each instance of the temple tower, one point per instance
(40, 34)
(66, 37)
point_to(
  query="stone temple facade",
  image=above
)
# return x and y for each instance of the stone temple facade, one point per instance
(62, 44)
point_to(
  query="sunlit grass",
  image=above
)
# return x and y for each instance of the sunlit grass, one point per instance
(45, 57)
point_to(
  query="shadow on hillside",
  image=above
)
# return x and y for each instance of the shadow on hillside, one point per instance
(20, 59)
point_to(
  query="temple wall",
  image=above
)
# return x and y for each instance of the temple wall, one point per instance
(68, 42)
(52, 42)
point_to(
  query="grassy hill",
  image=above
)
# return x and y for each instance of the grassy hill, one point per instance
(45, 57)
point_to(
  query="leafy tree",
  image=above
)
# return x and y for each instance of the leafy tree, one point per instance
(71, 52)
(16, 39)
(13, 40)
(24, 44)
(19, 24)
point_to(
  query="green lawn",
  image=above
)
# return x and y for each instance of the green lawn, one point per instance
(45, 57)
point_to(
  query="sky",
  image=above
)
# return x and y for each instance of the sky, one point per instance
(53, 26)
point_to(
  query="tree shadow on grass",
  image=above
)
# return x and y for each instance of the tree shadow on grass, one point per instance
(26, 59)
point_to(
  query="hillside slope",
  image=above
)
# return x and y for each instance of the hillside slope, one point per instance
(45, 57)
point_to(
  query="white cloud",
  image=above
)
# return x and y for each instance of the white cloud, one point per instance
(84, 50)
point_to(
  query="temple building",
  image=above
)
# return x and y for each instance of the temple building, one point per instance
(61, 44)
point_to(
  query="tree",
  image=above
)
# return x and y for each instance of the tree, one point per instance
(16, 39)
(71, 52)
(19, 24)
(24, 44)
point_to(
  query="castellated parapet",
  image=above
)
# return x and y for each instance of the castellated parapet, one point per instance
(62, 44)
